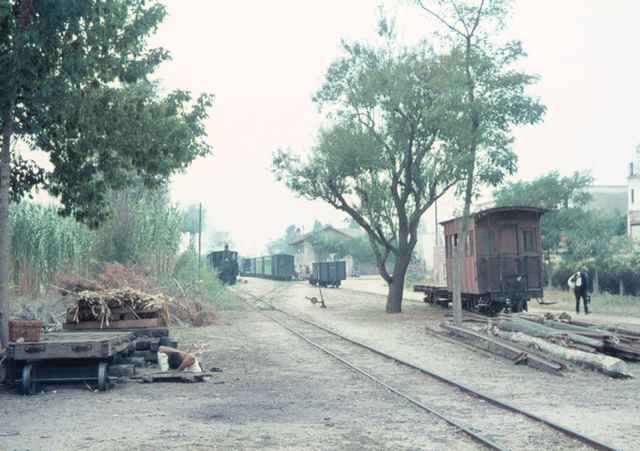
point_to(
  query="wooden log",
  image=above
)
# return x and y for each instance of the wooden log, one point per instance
(172, 376)
(592, 332)
(115, 325)
(623, 351)
(542, 331)
(503, 349)
(606, 364)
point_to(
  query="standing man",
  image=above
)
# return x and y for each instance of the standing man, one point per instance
(579, 282)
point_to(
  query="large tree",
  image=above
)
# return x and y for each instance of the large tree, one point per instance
(379, 158)
(489, 101)
(73, 84)
(565, 198)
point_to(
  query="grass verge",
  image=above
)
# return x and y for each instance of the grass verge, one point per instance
(605, 303)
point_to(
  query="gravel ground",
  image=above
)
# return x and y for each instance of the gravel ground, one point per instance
(278, 393)
(601, 407)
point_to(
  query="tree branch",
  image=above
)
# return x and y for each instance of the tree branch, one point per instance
(444, 22)
(477, 22)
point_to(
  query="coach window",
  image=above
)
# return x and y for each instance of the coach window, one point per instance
(486, 242)
(527, 240)
(469, 245)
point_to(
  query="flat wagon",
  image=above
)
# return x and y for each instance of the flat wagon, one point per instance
(328, 273)
(501, 261)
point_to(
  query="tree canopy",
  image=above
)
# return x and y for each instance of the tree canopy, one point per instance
(378, 159)
(563, 196)
(397, 136)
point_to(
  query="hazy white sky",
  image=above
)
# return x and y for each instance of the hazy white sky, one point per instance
(263, 61)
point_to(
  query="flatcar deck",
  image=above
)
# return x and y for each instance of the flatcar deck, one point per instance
(71, 345)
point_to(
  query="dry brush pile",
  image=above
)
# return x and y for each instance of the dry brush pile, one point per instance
(122, 292)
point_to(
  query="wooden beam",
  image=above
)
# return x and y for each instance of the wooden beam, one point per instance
(116, 325)
(503, 349)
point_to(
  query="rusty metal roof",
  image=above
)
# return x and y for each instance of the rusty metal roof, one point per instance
(489, 211)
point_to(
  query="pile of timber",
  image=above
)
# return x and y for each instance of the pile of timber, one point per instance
(519, 355)
(118, 307)
(584, 344)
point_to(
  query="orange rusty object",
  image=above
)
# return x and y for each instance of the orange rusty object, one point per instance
(29, 331)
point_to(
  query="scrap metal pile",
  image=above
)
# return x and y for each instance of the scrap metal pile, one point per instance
(123, 304)
(550, 341)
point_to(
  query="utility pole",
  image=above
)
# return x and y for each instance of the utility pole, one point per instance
(199, 236)
(436, 225)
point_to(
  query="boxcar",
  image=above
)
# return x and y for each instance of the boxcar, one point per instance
(278, 267)
(225, 263)
(328, 273)
(501, 261)
(283, 266)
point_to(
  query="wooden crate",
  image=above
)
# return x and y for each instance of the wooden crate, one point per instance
(27, 330)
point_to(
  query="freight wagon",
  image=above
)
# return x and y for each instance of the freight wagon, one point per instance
(501, 262)
(328, 273)
(277, 267)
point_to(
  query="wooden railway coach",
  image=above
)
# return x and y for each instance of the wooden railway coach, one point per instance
(501, 261)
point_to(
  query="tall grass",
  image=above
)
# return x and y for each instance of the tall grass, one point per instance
(144, 230)
(44, 244)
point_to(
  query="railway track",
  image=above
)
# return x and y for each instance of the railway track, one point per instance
(488, 421)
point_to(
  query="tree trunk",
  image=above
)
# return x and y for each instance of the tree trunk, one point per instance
(621, 282)
(5, 173)
(396, 287)
(596, 282)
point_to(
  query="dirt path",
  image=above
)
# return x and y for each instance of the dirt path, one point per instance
(278, 393)
(586, 401)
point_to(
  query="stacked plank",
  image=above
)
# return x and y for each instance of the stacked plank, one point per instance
(107, 307)
(585, 344)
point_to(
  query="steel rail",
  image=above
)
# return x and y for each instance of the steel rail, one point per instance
(465, 388)
(467, 430)
(473, 435)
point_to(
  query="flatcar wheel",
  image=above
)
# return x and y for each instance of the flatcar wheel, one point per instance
(27, 385)
(103, 380)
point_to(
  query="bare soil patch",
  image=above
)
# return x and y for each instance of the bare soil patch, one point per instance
(278, 393)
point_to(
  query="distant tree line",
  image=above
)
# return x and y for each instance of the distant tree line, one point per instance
(575, 235)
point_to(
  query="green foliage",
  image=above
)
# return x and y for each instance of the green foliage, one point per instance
(44, 245)
(74, 85)
(407, 124)
(139, 136)
(551, 191)
(199, 282)
(281, 245)
(192, 218)
(377, 160)
(564, 197)
(359, 248)
(144, 229)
